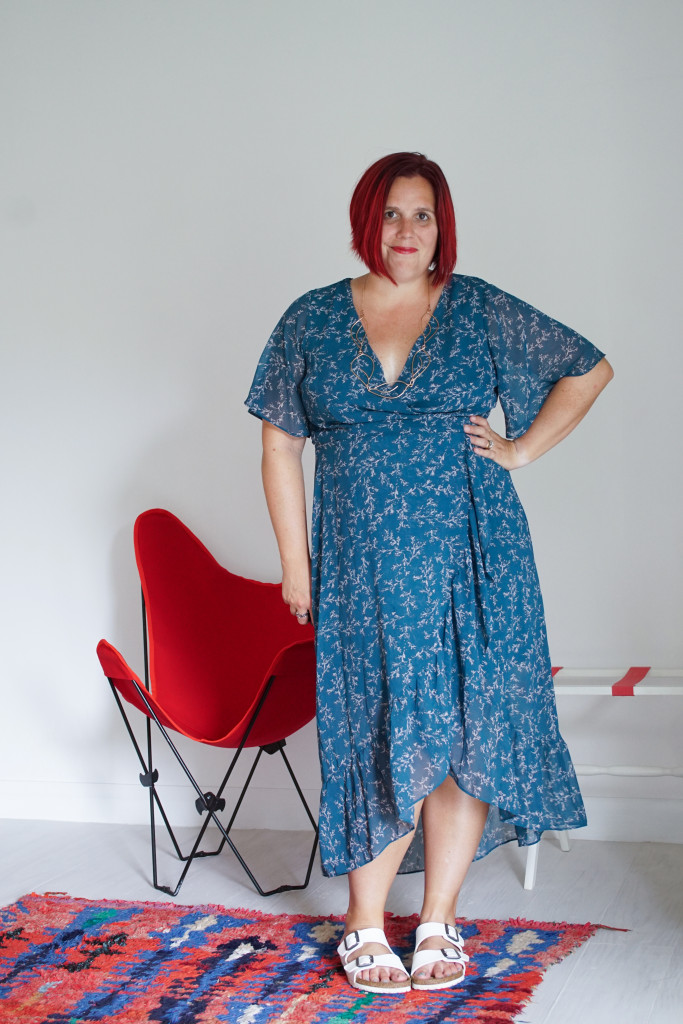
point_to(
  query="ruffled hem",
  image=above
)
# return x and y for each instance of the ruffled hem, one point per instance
(558, 807)
(501, 827)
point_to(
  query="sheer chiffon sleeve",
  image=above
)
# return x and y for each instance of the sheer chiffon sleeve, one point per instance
(531, 352)
(275, 393)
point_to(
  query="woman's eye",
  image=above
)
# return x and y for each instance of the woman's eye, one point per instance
(424, 217)
(389, 214)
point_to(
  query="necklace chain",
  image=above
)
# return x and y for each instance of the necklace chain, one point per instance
(418, 364)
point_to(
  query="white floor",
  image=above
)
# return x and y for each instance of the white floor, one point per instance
(633, 977)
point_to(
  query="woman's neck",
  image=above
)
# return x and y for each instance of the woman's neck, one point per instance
(381, 294)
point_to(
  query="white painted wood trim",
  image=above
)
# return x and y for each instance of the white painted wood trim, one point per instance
(635, 771)
(596, 682)
(587, 682)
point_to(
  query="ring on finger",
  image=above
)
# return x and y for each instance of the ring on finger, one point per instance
(301, 615)
(489, 446)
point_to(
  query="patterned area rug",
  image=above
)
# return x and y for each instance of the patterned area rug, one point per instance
(66, 960)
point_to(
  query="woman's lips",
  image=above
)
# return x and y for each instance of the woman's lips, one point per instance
(403, 250)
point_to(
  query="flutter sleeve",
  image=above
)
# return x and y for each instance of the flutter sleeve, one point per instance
(275, 393)
(531, 352)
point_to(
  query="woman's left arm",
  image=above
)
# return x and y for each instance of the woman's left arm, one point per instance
(564, 408)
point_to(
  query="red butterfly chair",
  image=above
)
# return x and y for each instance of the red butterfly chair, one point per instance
(225, 664)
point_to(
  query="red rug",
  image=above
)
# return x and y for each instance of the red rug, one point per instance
(66, 960)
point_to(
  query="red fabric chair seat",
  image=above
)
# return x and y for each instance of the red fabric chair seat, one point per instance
(226, 663)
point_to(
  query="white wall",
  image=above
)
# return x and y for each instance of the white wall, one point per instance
(174, 173)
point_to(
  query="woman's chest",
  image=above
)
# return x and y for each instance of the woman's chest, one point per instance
(449, 371)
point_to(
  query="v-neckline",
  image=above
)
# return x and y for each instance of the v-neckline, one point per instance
(411, 352)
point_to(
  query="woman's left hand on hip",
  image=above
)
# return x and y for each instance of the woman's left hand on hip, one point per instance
(486, 442)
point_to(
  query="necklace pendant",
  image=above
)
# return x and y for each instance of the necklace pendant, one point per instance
(419, 362)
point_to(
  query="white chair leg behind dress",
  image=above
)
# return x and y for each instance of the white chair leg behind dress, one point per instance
(532, 858)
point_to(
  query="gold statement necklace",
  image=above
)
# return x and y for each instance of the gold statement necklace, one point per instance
(365, 364)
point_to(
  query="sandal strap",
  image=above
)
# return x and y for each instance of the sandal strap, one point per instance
(426, 957)
(432, 929)
(354, 940)
(367, 961)
(451, 954)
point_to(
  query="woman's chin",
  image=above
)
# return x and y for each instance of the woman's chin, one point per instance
(404, 270)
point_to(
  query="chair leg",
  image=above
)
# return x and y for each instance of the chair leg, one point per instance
(150, 777)
(225, 830)
(531, 866)
(271, 750)
(195, 852)
(298, 789)
(563, 836)
(310, 818)
(532, 858)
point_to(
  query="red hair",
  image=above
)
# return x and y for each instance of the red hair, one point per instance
(367, 211)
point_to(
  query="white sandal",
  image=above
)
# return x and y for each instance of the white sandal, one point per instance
(450, 954)
(353, 967)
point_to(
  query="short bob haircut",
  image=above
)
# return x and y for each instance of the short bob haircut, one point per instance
(367, 211)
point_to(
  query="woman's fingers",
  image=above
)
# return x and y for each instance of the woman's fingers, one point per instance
(300, 608)
(487, 443)
(481, 435)
(297, 594)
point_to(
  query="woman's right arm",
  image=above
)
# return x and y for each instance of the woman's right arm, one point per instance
(283, 482)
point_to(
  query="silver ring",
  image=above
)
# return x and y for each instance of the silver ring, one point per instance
(489, 446)
(301, 615)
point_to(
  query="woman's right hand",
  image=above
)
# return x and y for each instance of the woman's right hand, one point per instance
(296, 592)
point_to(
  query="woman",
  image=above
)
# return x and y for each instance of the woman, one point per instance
(437, 725)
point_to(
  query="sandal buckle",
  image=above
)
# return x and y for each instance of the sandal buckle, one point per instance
(450, 953)
(351, 941)
(365, 960)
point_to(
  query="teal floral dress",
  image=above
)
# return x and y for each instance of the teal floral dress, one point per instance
(432, 657)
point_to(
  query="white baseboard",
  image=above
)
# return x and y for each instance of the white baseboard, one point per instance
(128, 804)
(609, 818)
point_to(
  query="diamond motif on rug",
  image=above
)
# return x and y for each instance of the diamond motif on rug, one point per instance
(65, 961)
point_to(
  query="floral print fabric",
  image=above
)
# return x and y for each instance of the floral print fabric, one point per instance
(432, 655)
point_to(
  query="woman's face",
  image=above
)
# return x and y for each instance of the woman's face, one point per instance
(409, 229)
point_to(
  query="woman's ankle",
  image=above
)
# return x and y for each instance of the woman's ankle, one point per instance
(437, 913)
(357, 922)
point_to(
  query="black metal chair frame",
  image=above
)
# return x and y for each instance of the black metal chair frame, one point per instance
(205, 802)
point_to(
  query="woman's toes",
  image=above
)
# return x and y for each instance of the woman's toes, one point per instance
(381, 974)
(377, 975)
(441, 968)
